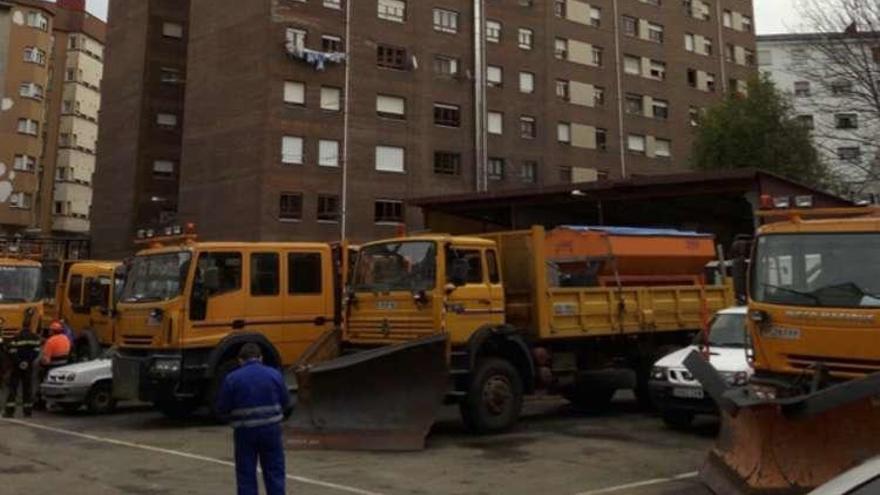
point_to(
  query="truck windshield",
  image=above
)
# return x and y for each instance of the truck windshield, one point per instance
(156, 277)
(728, 330)
(19, 284)
(818, 270)
(397, 266)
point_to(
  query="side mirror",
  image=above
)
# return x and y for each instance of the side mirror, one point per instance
(458, 272)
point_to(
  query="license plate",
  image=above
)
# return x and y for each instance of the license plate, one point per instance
(386, 305)
(688, 393)
(782, 333)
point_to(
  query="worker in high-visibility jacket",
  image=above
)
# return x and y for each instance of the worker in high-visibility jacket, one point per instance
(56, 351)
(255, 400)
(23, 351)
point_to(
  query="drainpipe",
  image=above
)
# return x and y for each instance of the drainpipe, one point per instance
(617, 64)
(481, 155)
(345, 122)
(721, 48)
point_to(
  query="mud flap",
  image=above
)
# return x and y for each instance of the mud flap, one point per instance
(789, 445)
(380, 399)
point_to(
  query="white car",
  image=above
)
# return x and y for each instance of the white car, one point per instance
(677, 394)
(863, 479)
(88, 384)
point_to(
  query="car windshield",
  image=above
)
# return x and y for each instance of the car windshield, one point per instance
(396, 266)
(728, 331)
(819, 270)
(19, 284)
(156, 277)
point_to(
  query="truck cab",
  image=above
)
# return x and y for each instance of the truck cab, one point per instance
(85, 301)
(20, 294)
(188, 307)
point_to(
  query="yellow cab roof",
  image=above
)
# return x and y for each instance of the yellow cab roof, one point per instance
(869, 221)
(235, 246)
(12, 261)
(100, 265)
(441, 238)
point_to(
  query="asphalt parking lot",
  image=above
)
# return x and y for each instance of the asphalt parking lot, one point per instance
(554, 450)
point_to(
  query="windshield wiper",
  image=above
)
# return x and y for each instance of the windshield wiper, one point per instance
(849, 285)
(809, 295)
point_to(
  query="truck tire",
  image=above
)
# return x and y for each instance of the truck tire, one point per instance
(676, 419)
(100, 399)
(590, 400)
(494, 399)
(177, 408)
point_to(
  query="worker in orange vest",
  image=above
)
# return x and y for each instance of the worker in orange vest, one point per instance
(56, 350)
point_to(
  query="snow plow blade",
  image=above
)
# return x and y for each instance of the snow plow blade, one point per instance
(789, 445)
(379, 399)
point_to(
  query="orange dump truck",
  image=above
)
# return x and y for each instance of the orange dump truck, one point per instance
(612, 256)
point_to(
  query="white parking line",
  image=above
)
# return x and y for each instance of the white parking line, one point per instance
(639, 484)
(187, 455)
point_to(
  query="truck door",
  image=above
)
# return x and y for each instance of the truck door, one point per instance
(74, 309)
(218, 287)
(101, 320)
(308, 300)
(469, 306)
(264, 310)
(496, 286)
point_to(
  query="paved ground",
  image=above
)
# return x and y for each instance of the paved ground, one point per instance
(137, 452)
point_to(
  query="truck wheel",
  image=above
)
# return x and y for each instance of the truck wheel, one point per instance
(590, 400)
(177, 409)
(100, 399)
(677, 420)
(494, 399)
(220, 374)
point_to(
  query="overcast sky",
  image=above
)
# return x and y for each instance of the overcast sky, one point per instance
(771, 16)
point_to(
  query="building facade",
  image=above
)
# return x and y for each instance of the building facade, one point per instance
(829, 100)
(51, 67)
(317, 119)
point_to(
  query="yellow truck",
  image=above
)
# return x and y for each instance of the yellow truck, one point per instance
(810, 412)
(482, 322)
(21, 295)
(85, 298)
(187, 307)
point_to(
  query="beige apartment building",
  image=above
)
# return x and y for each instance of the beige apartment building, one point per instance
(51, 66)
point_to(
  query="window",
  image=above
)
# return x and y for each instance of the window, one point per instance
(692, 78)
(163, 169)
(563, 132)
(655, 32)
(496, 169)
(328, 208)
(806, 121)
(636, 144)
(492, 264)
(294, 93)
(291, 150)
(632, 104)
(392, 10)
(559, 8)
(710, 82)
(391, 57)
(496, 123)
(474, 259)
(601, 139)
(28, 126)
(172, 30)
(447, 163)
(689, 42)
(38, 20)
(526, 38)
(170, 75)
(841, 87)
(849, 153)
(330, 98)
(390, 159)
(445, 21)
(561, 48)
(24, 163)
(166, 120)
(494, 76)
(296, 40)
(332, 44)
(328, 153)
(388, 211)
(662, 148)
(632, 65)
(447, 115)
(566, 175)
(749, 57)
(333, 4)
(658, 70)
(392, 107)
(21, 200)
(746, 23)
(595, 17)
(529, 172)
(562, 89)
(445, 66)
(31, 90)
(34, 56)
(493, 31)
(527, 127)
(727, 18)
(694, 116)
(802, 88)
(75, 290)
(661, 109)
(846, 121)
(290, 206)
(596, 56)
(598, 96)
(629, 25)
(526, 82)
(228, 268)
(265, 276)
(304, 273)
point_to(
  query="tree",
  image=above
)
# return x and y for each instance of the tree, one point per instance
(757, 129)
(841, 61)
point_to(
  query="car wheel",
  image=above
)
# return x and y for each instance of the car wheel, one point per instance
(100, 399)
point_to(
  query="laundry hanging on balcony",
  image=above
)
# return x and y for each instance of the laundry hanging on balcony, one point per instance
(295, 46)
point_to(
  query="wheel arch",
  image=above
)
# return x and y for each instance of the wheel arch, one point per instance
(506, 343)
(229, 346)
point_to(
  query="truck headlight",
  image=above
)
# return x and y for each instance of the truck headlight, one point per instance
(735, 378)
(659, 374)
(165, 367)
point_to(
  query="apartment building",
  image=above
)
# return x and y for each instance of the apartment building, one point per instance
(830, 99)
(316, 119)
(51, 65)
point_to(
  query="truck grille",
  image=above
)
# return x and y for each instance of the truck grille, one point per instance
(137, 340)
(391, 329)
(835, 365)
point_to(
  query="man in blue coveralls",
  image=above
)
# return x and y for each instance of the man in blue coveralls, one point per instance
(255, 400)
